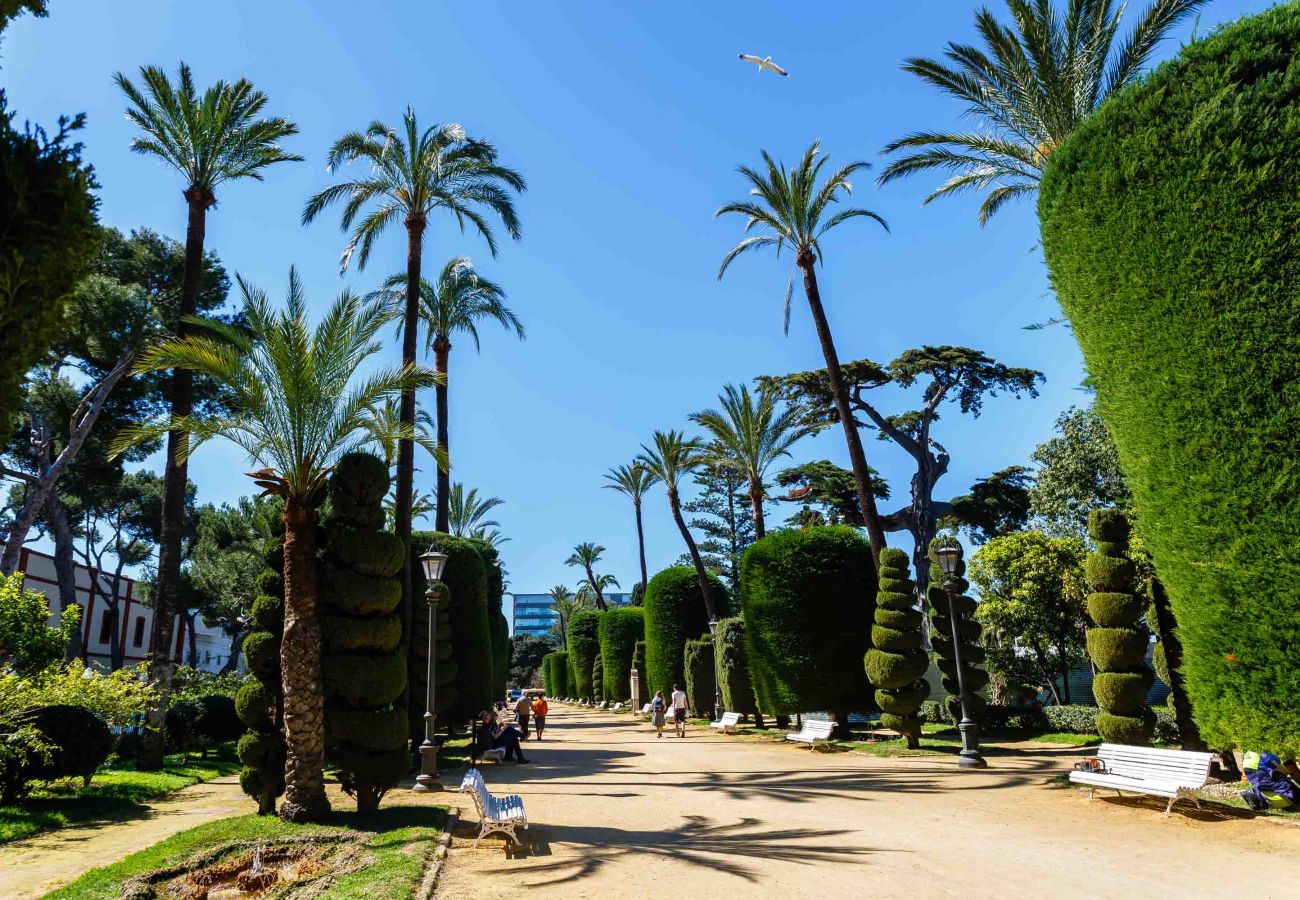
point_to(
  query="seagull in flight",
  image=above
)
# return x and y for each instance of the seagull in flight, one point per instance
(765, 63)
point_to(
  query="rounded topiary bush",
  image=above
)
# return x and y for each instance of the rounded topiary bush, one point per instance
(81, 743)
(1121, 690)
(620, 629)
(259, 704)
(807, 603)
(701, 682)
(1169, 224)
(1116, 649)
(262, 652)
(896, 660)
(968, 631)
(1115, 610)
(583, 637)
(674, 613)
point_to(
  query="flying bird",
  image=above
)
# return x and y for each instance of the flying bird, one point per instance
(765, 63)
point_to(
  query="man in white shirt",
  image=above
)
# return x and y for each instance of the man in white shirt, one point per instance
(679, 706)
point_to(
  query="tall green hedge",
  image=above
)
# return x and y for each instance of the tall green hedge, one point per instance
(260, 703)
(896, 661)
(548, 674)
(674, 613)
(968, 632)
(1169, 224)
(498, 626)
(701, 682)
(363, 659)
(807, 603)
(445, 672)
(465, 578)
(733, 669)
(570, 676)
(620, 630)
(584, 646)
(1117, 645)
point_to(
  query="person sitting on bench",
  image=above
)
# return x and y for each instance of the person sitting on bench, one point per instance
(494, 735)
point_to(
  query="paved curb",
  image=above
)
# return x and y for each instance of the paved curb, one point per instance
(430, 882)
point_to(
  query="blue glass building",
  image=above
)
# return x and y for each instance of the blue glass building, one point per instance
(534, 614)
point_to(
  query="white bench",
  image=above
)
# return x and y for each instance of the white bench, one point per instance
(503, 814)
(727, 724)
(646, 711)
(617, 707)
(815, 731)
(1176, 774)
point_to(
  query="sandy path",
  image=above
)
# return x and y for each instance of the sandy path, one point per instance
(38, 864)
(620, 815)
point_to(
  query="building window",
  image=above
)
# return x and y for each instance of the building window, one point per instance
(106, 626)
(138, 640)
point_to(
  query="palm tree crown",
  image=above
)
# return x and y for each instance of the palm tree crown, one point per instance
(585, 556)
(209, 139)
(1030, 86)
(384, 425)
(456, 302)
(467, 512)
(565, 603)
(633, 480)
(672, 456)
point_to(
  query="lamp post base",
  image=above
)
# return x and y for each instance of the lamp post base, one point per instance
(427, 781)
(969, 757)
(427, 784)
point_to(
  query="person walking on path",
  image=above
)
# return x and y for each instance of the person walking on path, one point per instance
(523, 709)
(658, 709)
(540, 709)
(680, 705)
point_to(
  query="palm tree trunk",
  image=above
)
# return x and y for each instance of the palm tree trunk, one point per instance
(756, 501)
(304, 704)
(1189, 733)
(404, 490)
(640, 541)
(175, 479)
(441, 356)
(595, 587)
(857, 458)
(710, 603)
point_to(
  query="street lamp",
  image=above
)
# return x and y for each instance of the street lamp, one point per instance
(969, 758)
(432, 562)
(717, 679)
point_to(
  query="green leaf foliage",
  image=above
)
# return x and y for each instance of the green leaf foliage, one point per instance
(701, 683)
(1169, 224)
(733, 667)
(584, 646)
(674, 614)
(621, 628)
(597, 677)
(807, 603)
(896, 661)
(262, 747)
(968, 629)
(465, 577)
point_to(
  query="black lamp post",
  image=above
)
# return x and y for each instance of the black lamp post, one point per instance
(717, 681)
(432, 561)
(969, 758)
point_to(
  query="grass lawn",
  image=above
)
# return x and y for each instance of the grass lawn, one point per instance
(116, 792)
(399, 843)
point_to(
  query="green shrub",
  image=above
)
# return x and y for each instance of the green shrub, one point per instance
(465, 577)
(701, 682)
(356, 594)
(255, 706)
(1121, 690)
(674, 613)
(968, 630)
(570, 678)
(896, 660)
(1071, 719)
(807, 603)
(583, 638)
(262, 652)
(597, 677)
(81, 742)
(733, 668)
(1169, 223)
(258, 704)
(341, 633)
(498, 627)
(210, 719)
(621, 628)
(1117, 649)
(268, 612)
(1136, 729)
(364, 551)
(1115, 610)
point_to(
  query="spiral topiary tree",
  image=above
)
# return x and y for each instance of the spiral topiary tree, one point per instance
(621, 629)
(733, 670)
(968, 632)
(896, 661)
(1117, 645)
(701, 682)
(260, 703)
(1169, 223)
(597, 677)
(674, 613)
(807, 600)
(584, 646)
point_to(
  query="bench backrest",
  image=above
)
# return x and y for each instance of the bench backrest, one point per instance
(818, 728)
(731, 718)
(1184, 768)
(474, 784)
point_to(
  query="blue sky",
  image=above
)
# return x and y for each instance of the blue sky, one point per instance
(628, 121)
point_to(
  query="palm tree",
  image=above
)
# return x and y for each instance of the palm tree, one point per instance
(210, 140)
(634, 480)
(467, 511)
(789, 207)
(456, 303)
(384, 425)
(1030, 86)
(672, 457)
(585, 556)
(410, 175)
(566, 603)
(295, 409)
(753, 432)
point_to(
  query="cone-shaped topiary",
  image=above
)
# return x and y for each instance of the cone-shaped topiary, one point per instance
(564, 666)
(260, 704)
(1118, 649)
(674, 613)
(597, 677)
(968, 631)
(896, 661)
(733, 670)
(469, 662)
(363, 663)
(807, 600)
(701, 682)
(584, 646)
(498, 627)
(621, 628)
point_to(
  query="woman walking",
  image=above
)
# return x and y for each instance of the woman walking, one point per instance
(659, 712)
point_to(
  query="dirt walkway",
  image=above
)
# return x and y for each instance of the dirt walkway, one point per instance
(38, 864)
(620, 815)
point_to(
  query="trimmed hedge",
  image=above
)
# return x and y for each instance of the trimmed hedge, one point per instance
(570, 677)
(701, 682)
(620, 629)
(498, 627)
(597, 677)
(968, 631)
(81, 743)
(584, 646)
(896, 662)
(674, 613)
(807, 603)
(1169, 223)
(733, 669)
(259, 704)
(465, 578)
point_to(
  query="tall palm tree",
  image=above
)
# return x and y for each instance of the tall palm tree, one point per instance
(672, 457)
(411, 175)
(753, 432)
(634, 480)
(384, 425)
(566, 603)
(585, 556)
(456, 303)
(210, 139)
(1030, 85)
(467, 511)
(295, 408)
(791, 209)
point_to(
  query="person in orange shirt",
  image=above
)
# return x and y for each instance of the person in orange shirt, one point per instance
(539, 715)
